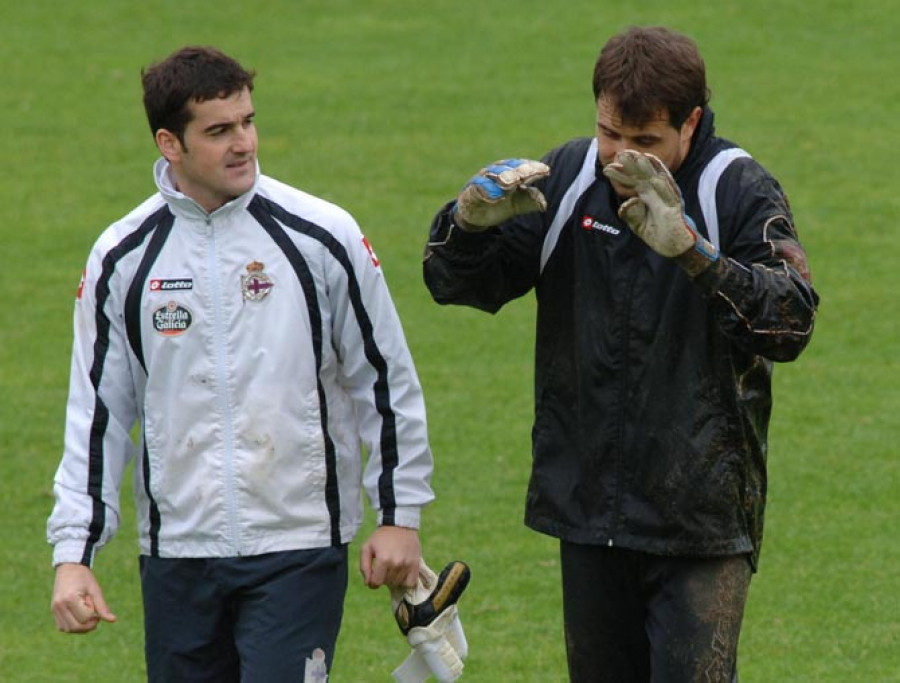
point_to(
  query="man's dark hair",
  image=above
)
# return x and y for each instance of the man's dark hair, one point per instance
(645, 70)
(191, 74)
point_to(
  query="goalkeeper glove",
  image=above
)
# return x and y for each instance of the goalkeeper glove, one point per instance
(499, 192)
(429, 618)
(656, 214)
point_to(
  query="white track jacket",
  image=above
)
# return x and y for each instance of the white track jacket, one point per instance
(258, 348)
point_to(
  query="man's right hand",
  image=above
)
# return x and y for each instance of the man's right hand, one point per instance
(78, 604)
(499, 192)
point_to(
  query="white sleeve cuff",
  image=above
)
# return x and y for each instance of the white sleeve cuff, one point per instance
(403, 516)
(68, 551)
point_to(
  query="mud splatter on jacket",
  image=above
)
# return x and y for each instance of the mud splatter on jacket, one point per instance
(652, 391)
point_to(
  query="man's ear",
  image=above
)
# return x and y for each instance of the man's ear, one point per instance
(690, 125)
(169, 145)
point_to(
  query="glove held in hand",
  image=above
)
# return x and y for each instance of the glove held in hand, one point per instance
(429, 618)
(445, 591)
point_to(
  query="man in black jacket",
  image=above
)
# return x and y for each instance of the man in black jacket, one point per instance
(669, 277)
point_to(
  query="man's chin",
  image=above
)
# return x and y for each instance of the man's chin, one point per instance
(242, 182)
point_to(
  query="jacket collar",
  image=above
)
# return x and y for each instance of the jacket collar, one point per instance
(705, 131)
(182, 205)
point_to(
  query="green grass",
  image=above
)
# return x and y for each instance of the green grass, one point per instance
(386, 107)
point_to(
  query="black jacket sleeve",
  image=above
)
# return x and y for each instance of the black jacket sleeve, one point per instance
(760, 289)
(487, 269)
(484, 269)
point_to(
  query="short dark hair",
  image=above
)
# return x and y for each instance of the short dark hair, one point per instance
(645, 70)
(193, 73)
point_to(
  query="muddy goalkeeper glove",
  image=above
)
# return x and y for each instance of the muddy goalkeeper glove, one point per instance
(499, 192)
(657, 214)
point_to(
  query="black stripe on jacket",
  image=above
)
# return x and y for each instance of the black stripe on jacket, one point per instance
(101, 347)
(267, 213)
(163, 229)
(161, 233)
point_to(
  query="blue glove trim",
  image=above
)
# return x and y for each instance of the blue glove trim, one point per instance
(706, 249)
(490, 188)
(702, 246)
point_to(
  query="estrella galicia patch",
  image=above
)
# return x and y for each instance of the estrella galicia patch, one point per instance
(172, 319)
(170, 285)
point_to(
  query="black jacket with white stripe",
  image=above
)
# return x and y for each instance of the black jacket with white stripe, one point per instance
(652, 390)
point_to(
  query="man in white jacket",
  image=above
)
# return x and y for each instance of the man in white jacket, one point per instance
(247, 328)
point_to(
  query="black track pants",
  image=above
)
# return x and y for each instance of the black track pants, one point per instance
(250, 619)
(634, 617)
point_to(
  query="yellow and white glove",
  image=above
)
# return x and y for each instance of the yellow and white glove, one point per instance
(500, 191)
(657, 214)
(429, 618)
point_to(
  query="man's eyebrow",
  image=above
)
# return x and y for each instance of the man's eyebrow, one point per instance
(218, 124)
(229, 123)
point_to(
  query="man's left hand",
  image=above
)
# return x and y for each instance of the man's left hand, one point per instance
(391, 556)
(656, 215)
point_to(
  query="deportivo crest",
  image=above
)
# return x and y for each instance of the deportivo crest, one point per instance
(256, 285)
(172, 319)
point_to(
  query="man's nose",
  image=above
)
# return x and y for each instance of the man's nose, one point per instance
(243, 140)
(610, 148)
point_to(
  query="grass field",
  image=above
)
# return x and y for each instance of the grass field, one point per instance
(385, 107)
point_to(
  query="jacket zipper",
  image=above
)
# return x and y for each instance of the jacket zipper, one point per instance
(622, 402)
(223, 394)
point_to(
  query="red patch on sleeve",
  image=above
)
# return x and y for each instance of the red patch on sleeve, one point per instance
(368, 246)
(795, 257)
